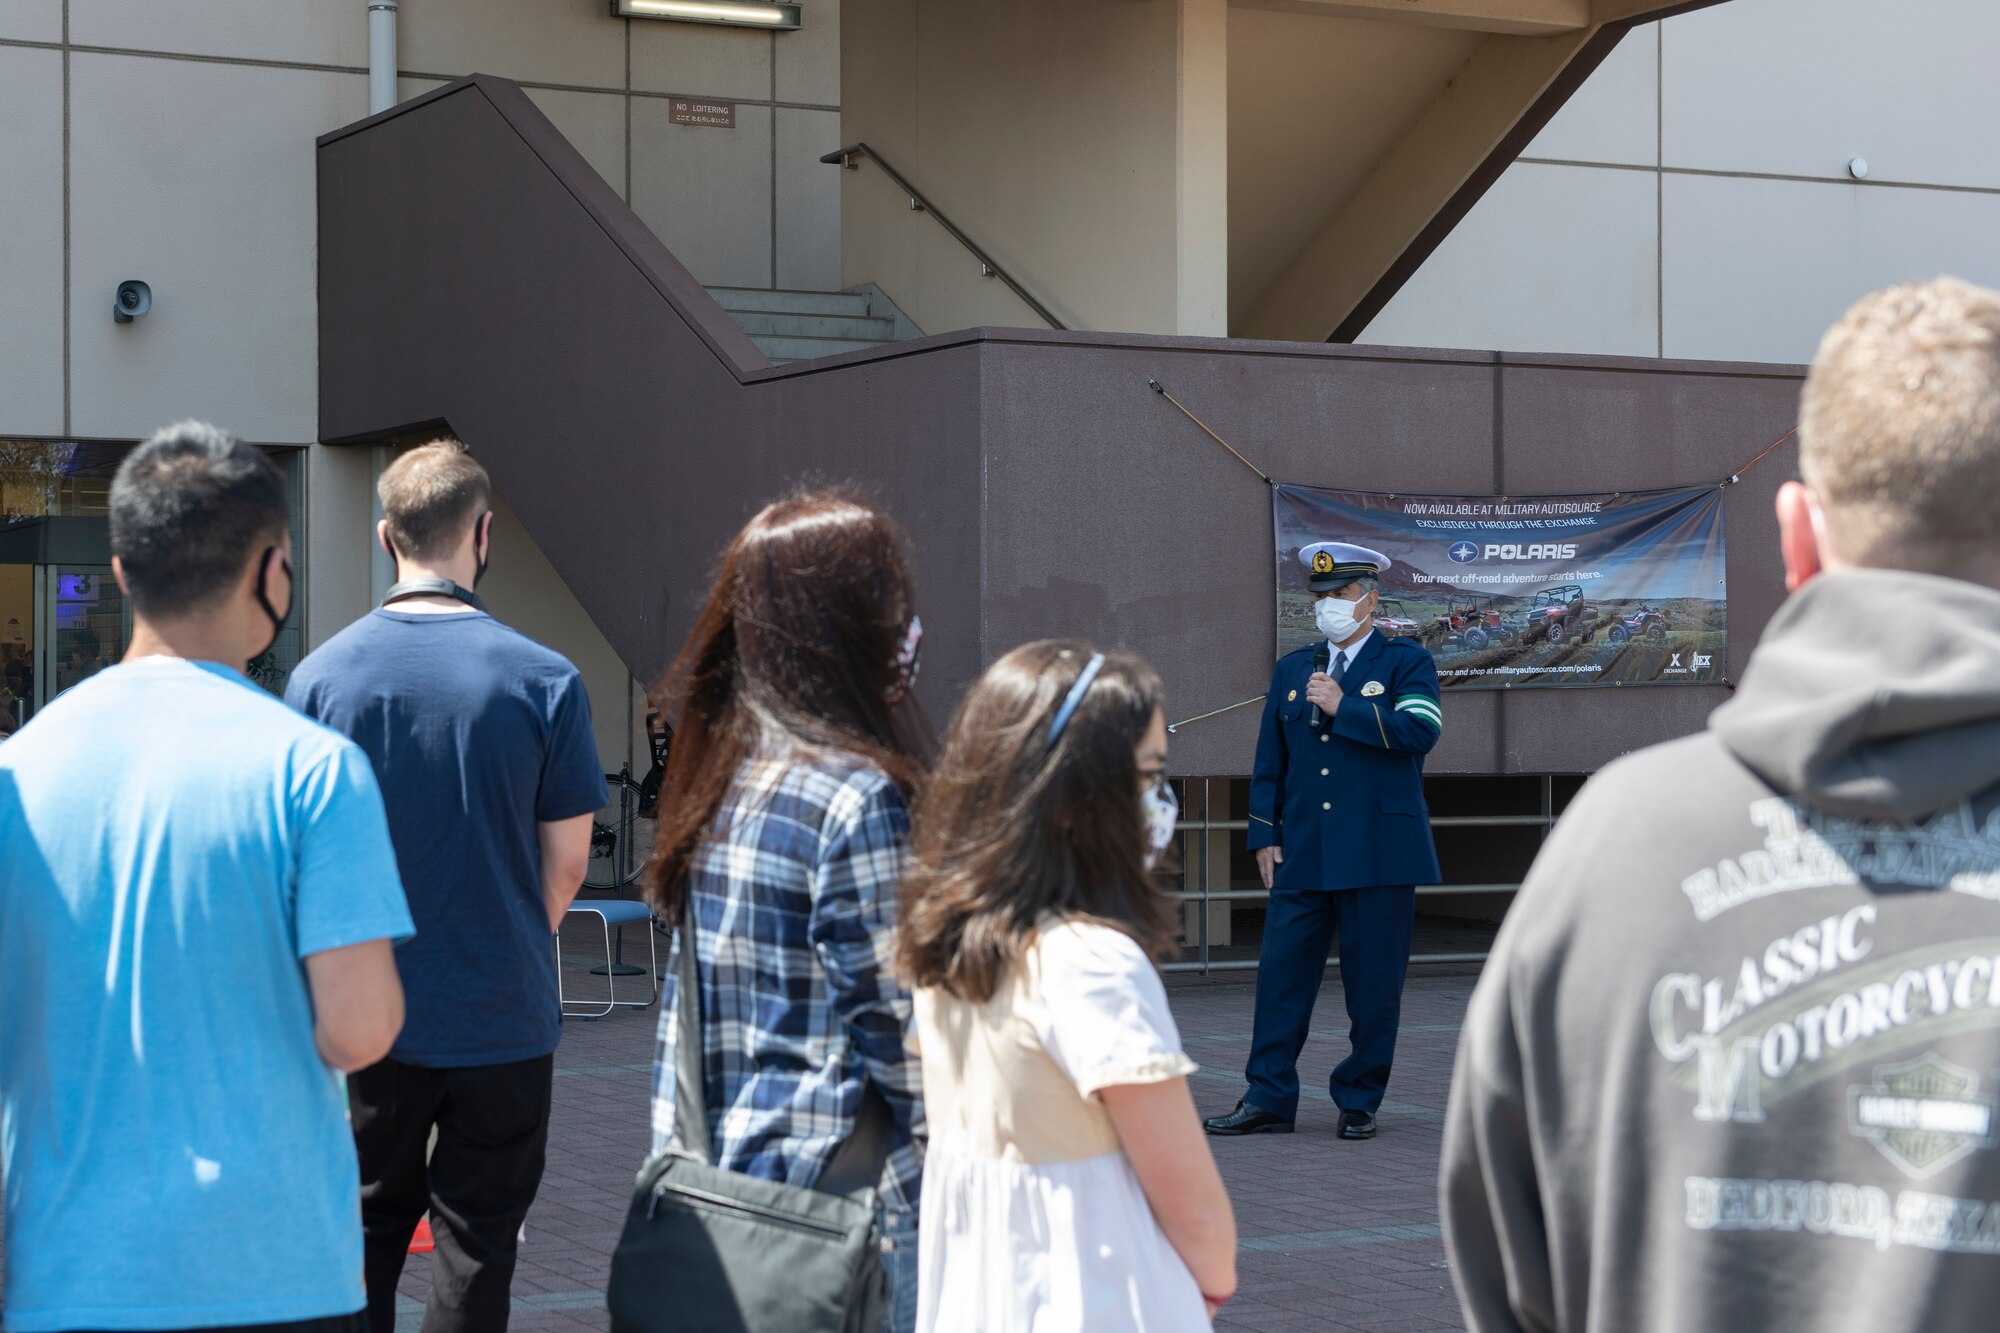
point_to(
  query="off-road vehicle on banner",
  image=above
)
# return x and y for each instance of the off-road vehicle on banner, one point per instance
(1560, 614)
(1645, 623)
(1393, 619)
(1471, 623)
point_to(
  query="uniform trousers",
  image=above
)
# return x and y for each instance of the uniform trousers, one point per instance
(1374, 925)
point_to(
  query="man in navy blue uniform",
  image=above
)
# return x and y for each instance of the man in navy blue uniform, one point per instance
(1342, 837)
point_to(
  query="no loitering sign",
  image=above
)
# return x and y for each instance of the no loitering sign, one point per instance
(712, 115)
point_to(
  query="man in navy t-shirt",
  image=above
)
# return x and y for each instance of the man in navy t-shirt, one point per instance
(481, 741)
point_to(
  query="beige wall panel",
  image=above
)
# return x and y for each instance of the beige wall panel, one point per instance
(809, 59)
(701, 58)
(878, 55)
(31, 20)
(547, 41)
(1553, 259)
(31, 256)
(317, 32)
(706, 192)
(1314, 103)
(594, 123)
(340, 532)
(173, 181)
(1048, 132)
(1800, 86)
(808, 201)
(523, 590)
(1757, 269)
(1614, 117)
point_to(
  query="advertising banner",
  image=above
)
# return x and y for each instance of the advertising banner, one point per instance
(1509, 592)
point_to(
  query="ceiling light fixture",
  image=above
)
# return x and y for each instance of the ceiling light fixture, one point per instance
(785, 17)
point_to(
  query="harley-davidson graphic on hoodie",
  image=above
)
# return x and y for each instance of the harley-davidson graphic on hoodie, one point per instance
(1735, 1060)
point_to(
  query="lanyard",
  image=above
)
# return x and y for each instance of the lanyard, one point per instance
(430, 587)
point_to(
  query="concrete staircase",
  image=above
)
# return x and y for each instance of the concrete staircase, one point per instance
(800, 326)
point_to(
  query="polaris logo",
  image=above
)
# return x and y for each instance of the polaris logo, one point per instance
(1464, 553)
(1537, 551)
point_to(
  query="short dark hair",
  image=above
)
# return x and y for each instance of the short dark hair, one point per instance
(188, 508)
(430, 496)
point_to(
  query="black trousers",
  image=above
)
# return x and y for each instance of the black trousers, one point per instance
(493, 1136)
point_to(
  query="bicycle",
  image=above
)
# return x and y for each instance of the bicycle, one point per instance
(622, 838)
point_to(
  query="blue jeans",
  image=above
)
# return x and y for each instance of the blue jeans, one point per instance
(899, 1264)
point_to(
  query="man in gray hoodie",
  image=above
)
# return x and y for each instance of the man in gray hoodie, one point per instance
(1750, 1078)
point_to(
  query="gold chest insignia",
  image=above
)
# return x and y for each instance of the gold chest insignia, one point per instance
(1292, 697)
(1371, 689)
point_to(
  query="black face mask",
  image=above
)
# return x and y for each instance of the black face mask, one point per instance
(479, 569)
(277, 617)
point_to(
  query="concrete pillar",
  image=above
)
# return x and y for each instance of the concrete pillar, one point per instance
(1201, 183)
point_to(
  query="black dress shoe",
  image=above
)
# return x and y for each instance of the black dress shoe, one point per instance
(1356, 1125)
(1247, 1119)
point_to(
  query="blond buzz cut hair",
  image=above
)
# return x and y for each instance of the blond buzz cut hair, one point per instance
(1899, 428)
(431, 496)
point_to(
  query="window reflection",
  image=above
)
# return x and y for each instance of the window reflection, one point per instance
(56, 478)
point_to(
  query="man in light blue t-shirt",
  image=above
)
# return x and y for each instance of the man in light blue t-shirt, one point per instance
(198, 902)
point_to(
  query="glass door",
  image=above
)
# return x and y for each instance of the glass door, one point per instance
(19, 598)
(84, 626)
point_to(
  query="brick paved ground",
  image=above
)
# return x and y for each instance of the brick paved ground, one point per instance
(1336, 1236)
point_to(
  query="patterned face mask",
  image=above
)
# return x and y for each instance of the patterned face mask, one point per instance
(908, 659)
(1162, 811)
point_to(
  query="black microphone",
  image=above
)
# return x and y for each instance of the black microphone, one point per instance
(1322, 655)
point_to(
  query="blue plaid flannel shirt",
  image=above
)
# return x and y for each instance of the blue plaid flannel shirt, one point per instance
(794, 895)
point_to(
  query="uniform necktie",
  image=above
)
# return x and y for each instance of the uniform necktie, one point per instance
(1338, 668)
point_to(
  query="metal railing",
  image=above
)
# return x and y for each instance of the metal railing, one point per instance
(1203, 963)
(847, 159)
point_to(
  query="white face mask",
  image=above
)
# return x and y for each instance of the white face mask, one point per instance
(1162, 812)
(1336, 619)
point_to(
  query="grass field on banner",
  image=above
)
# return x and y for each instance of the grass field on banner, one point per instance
(1680, 640)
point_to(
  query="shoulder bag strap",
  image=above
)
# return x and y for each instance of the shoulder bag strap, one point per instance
(690, 1114)
(857, 1164)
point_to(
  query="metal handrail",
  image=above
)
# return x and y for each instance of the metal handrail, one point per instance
(988, 266)
(1201, 897)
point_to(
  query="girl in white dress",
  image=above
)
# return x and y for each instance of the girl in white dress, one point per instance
(1067, 1186)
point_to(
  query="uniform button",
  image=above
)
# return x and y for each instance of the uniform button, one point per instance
(1326, 805)
(1324, 738)
(1325, 771)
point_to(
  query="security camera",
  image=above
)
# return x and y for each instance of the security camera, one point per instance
(134, 299)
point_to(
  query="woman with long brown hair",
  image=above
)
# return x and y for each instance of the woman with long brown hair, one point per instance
(783, 827)
(1067, 1184)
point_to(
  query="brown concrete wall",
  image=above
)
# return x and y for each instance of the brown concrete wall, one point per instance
(1110, 513)
(474, 270)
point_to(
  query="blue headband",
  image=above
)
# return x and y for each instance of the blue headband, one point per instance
(1075, 696)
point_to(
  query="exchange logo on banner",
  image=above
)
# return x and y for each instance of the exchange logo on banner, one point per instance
(1515, 591)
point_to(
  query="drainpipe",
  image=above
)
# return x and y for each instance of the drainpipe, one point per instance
(381, 96)
(381, 55)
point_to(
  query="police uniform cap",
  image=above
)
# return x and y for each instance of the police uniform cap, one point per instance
(1333, 565)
